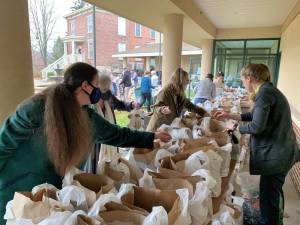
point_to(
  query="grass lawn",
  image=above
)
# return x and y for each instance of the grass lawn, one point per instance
(122, 118)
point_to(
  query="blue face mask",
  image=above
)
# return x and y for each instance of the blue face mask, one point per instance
(95, 96)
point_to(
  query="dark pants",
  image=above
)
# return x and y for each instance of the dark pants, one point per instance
(271, 199)
(146, 97)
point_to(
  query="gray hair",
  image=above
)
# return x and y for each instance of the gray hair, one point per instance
(104, 79)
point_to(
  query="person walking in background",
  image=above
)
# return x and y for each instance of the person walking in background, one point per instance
(146, 89)
(273, 142)
(154, 79)
(135, 78)
(205, 90)
(219, 83)
(126, 81)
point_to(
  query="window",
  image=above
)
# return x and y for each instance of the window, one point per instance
(152, 34)
(121, 47)
(90, 49)
(72, 27)
(138, 30)
(122, 26)
(90, 23)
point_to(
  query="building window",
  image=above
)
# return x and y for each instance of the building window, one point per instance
(122, 26)
(72, 27)
(138, 30)
(90, 23)
(152, 34)
(121, 47)
(90, 49)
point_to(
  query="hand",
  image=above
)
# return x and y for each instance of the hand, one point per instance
(230, 127)
(166, 110)
(163, 136)
(221, 115)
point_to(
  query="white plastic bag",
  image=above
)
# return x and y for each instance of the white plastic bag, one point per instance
(124, 189)
(225, 153)
(146, 180)
(68, 178)
(73, 195)
(159, 155)
(184, 218)
(198, 160)
(43, 186)
(209, 180)
(100, 203)
(158, 216)
(57, 218)
(200, 205)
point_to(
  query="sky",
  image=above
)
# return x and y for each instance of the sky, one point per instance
(62, 7)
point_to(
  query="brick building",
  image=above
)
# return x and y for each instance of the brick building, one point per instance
(113, 34)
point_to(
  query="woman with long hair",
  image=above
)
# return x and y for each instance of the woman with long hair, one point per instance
(171, 100)
(273, 142)
(55, 130)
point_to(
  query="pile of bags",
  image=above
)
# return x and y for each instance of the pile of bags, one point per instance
(176, 184)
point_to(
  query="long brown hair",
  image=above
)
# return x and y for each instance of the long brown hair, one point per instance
(67, 125)
(176, 80)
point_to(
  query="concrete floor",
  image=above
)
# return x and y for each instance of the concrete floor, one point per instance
(292, 203)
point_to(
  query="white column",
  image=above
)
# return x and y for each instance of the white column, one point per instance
(172, 30)
(73, 47)
(206, 59)
(147, 63)
(65, 48)
(124, 63)
(15, 58)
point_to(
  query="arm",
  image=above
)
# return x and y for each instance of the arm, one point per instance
(260, 115)
(107, 133)
(18, 128)
(190, 106)
(246, 116)
(120, 105)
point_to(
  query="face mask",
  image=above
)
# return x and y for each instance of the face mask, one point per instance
(95, 96)
(106, 96)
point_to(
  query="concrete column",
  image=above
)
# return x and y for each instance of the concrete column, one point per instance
(147, 65)
(73, 48)
(124, 63)
(206, 60)
(15, 59)
(173, 25)
(65, 48)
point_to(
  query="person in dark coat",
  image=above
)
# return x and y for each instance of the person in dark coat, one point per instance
(273, 142)
(126, 81)
(54, 130)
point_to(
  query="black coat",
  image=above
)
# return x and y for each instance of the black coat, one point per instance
(273, 142)
(126, 79)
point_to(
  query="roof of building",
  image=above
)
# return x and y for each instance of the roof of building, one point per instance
(152, 49)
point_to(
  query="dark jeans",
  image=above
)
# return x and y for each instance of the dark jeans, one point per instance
(271, 199)
(199, 100)
(146, 97)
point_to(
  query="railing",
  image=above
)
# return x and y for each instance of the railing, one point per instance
(61, 63)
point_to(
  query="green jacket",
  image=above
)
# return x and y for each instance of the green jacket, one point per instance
(24, 160)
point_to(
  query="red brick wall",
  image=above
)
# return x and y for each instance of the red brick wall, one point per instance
(107, 37)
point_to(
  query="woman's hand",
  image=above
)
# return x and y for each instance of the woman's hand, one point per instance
(221, 115)
(166, 110)
(163, 136)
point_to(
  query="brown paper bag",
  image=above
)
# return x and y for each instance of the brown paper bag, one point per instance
(192, 143)
(173, 184)
(145, 157)
(216, 126)
(112, 206)
(35, 207)
(85, 220)
(100, 184)
(222, 138)
(133, 174)
(147, 198)
(122, 216)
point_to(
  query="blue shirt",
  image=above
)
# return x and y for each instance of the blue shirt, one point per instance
(146, 84)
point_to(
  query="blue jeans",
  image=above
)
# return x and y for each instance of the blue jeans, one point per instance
(199, 100)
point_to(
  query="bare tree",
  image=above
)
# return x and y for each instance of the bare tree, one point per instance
(43, 21)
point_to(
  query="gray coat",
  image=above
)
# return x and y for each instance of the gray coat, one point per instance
(273, 142)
